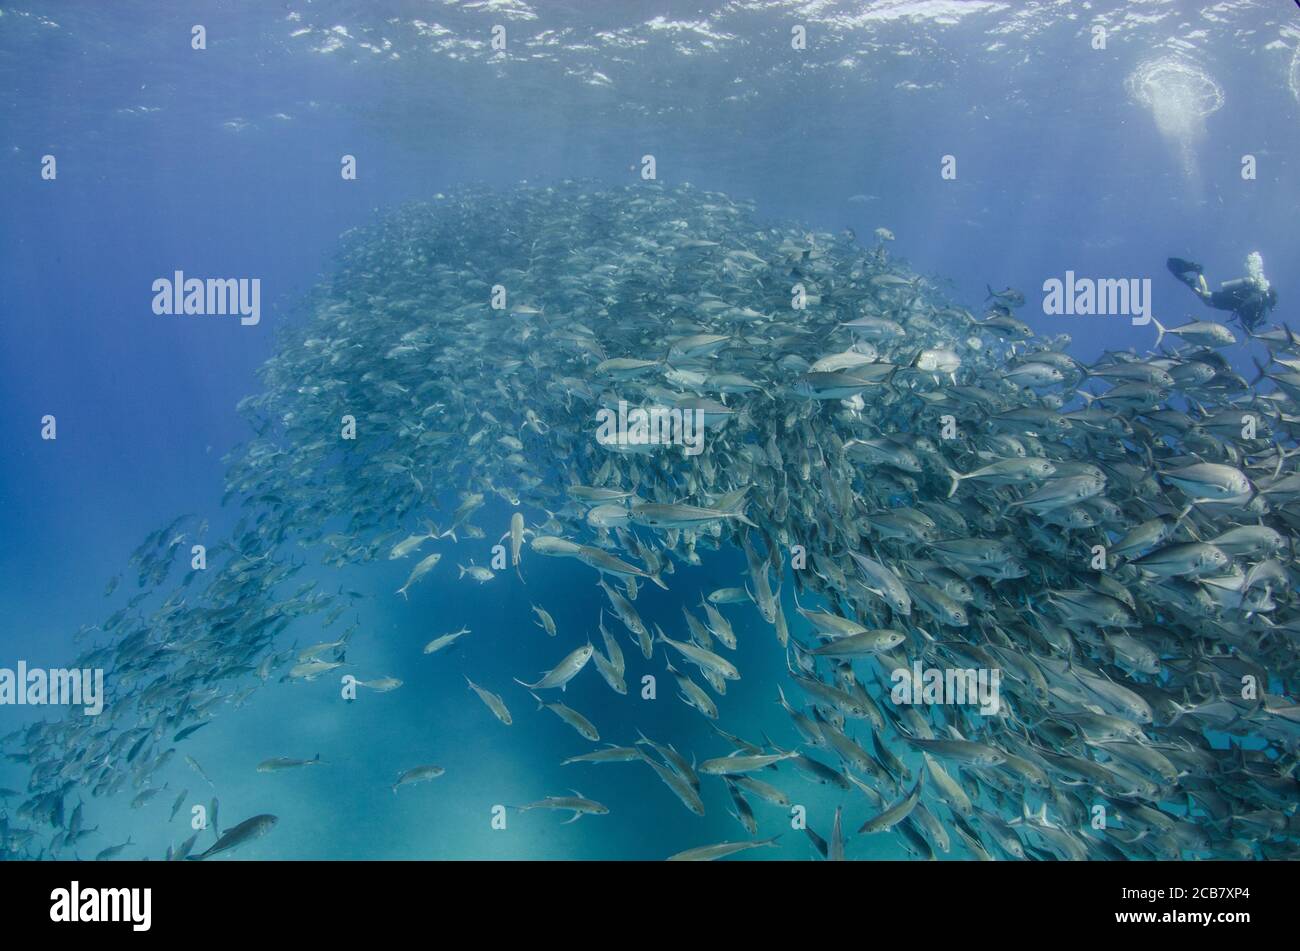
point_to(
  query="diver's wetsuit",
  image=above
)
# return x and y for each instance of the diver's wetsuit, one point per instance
(1244, 299)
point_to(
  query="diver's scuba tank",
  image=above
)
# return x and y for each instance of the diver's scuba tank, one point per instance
(1254, 278)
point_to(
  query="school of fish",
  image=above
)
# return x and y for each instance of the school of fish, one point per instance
(913, 487)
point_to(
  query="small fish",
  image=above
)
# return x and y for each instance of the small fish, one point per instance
(544, 620)
(194, 765)
(494, 703)
(560, 675)
(738, 763)
(707, 853)
(313, 669)
(189, 731)
(445, 640)
(113, 851)
(477, 573)
(577, 804)
(729, 596)
(422, 568)
(417, 774)
(895, 813)
(612, 754)
(238, 835)
(280, 763)
(186, 847)
(572, 717)
(411, 543)
(381, 685)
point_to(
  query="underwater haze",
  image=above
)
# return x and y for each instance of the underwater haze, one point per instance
(564, 430)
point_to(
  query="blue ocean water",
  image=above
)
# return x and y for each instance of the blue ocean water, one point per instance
(226, 161)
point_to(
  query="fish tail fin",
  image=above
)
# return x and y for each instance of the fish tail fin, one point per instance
(402, 592)
(541, 704)
(955, 478)
(990, 290)
(1160, 332)
(1261, 367)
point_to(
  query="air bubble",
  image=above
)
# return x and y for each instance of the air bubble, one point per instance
(1180, 95)
(1294, 79)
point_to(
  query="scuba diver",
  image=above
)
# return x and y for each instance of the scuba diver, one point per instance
(1249, 298)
